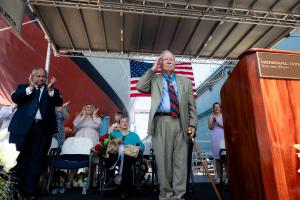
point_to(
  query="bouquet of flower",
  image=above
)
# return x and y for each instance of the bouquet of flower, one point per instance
(8, 157)
(100, 148)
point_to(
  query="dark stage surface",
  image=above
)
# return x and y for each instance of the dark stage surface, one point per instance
(202, 191)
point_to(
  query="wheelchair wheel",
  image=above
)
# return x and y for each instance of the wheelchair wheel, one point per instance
(102, 178)
(138, 173)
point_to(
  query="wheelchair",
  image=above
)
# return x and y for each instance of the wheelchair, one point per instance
(102, 174)
(152, 170)
(138, 170)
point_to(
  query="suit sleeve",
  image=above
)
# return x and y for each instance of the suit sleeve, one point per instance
(192, 107)
(19, 96)
(56, 98)
(144, 84)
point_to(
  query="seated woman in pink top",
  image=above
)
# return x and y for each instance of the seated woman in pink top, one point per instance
(87, 123)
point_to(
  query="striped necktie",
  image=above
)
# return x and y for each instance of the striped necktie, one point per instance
(173, 99)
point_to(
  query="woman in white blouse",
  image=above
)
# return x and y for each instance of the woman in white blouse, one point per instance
(87, 123)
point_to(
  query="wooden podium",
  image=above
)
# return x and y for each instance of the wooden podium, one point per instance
(261, 111)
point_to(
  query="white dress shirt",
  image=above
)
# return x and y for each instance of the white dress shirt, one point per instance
(28, 92)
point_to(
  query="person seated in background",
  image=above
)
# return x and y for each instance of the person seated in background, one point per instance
(86, 125)
(62, 114)
(115, 126)
(125, 137)
(6, 113)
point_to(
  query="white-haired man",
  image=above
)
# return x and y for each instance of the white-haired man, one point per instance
(172, 121)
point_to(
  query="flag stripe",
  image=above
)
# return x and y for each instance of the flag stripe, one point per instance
(133, 88)
(135, 80)
(139, 95)
(183, 69)
(133, 83)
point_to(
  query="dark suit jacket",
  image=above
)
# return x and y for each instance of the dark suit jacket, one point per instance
(27, 108)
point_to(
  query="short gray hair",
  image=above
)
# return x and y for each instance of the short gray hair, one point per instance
(35, 69)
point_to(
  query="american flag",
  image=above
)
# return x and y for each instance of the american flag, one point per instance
(138, 69)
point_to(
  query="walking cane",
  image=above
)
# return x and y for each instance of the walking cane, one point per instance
(206, 169)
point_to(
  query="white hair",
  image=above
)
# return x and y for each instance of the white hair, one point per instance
(165, 52)
(36, 69)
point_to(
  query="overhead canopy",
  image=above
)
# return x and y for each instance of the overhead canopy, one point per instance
(190, 28)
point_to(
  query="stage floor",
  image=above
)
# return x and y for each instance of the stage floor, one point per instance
(203, 191)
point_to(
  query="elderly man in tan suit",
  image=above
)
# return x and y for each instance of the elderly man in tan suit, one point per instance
(172, 121)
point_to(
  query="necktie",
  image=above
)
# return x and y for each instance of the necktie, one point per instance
(173, 99)
(36, 94)
(35, 102)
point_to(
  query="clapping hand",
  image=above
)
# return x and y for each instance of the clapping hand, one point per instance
(60, 108)
(31, 82)
(95, 112)
(83, 112)
(51, 84)
(214, 118)
(66, 104)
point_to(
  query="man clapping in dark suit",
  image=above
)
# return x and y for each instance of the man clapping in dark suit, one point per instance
(31, 128)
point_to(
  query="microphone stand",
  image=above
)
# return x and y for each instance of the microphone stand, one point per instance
(206, 169)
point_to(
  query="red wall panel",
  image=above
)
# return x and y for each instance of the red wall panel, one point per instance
(19, 54)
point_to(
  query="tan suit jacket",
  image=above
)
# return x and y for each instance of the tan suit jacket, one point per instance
(152, 83)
